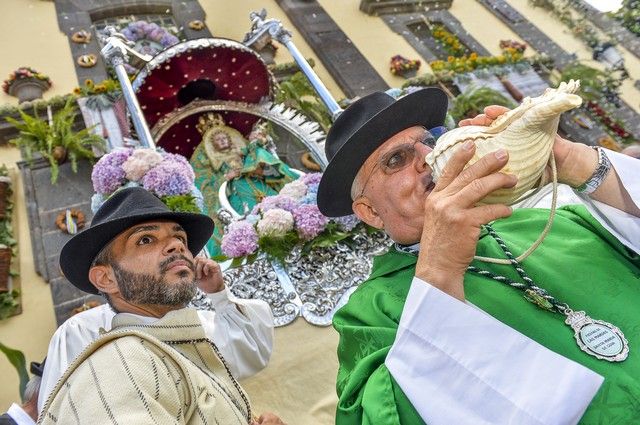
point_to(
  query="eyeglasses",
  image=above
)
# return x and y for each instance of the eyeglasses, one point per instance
(398, 158)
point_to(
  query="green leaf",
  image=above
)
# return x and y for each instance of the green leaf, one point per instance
(37, 135)
(16, 358)
(8, 303)
(252, 257)
(475, 99)
(236, 262)
(278, 247)
(181, 203)
(219, 258)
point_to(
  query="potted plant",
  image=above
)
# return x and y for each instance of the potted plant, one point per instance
(26, 83)
(404, 67)
(55, 140)
(474, 100)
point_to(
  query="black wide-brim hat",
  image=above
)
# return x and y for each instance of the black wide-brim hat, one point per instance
(124, 209)
(361, 129)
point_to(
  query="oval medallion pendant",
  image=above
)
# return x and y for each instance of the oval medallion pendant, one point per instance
(598, 338)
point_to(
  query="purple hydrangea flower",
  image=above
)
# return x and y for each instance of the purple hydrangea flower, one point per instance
(169, 178)
(107, 174)
(312, 179)
(240, 239)
(347, 223)
(278, 201)
(174, 157)
(310, 222)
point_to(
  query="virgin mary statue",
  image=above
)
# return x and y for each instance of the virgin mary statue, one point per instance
(252, 172)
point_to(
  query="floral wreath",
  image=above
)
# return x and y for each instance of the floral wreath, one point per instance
(25, 72)
(196, 24)
(143, 30)
(77, 215)
(87, 61)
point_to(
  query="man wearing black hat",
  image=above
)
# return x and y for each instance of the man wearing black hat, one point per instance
(435, 336)
(156, 365)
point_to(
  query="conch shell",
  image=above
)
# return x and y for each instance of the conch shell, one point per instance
(526, 132)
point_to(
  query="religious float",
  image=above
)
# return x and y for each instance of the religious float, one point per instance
(211, 101)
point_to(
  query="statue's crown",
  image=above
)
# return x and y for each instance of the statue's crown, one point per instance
(209, 120)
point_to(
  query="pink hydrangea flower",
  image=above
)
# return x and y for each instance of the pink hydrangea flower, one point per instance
(141, 161)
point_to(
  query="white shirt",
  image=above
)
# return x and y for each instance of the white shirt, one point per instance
(450, 337)
(242, 330)
(19, 415)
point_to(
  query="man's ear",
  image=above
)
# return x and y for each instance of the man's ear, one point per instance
(366, 212)
(103, 279)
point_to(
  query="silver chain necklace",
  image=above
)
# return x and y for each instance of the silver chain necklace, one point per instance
(597, 338)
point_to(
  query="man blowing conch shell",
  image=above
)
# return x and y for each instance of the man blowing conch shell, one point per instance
(434, 336)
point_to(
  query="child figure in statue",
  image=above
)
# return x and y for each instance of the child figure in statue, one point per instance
(252, 172)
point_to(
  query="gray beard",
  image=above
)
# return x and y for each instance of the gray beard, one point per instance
(140, 288)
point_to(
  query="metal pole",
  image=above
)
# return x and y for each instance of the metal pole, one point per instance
(263, 30)
(315, 81)
(115, 52)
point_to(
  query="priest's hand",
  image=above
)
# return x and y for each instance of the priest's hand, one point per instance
(452, 221)
(208, 275)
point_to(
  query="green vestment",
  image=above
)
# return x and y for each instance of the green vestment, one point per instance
(244, 191)
(579, 263)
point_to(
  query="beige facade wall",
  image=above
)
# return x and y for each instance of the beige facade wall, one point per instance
(30, 37)
(30, 331)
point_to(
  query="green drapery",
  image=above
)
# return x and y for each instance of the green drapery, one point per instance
(579, 263)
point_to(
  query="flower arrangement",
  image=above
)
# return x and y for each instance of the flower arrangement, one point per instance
(513, 44)
(25, 72)
(279, 223)
(612, 126)
(99, 96)
(443, 74)
(92, 89)
(166, 175)
(448, 40)
(150, 39)
(399, 65)
(469, 63)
